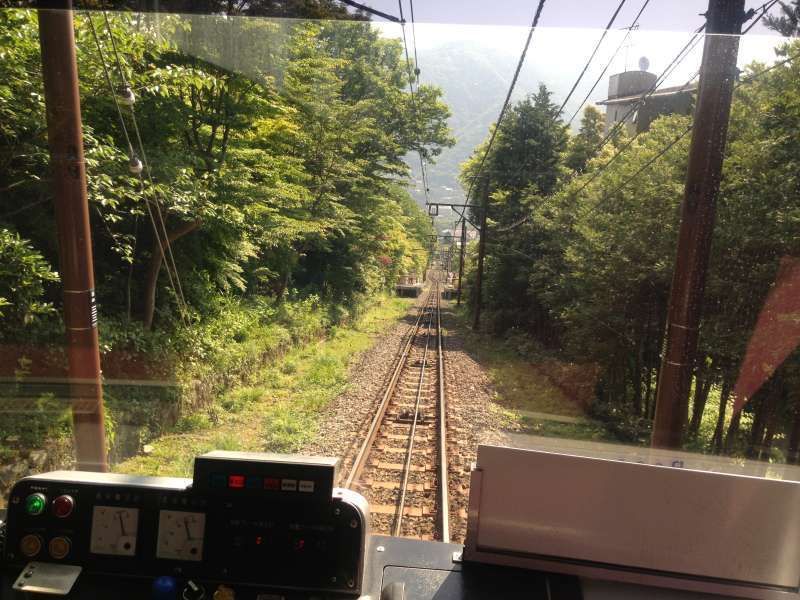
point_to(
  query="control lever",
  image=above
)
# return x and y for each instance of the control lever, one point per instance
(193, 591)
(394, 591)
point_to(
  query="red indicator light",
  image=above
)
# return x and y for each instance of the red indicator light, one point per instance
(272, 483)
(236, 481)
(299, 544)
(63, 506)
(258, 540)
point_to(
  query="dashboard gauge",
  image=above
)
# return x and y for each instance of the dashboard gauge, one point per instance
(114, 530)
(180, 535)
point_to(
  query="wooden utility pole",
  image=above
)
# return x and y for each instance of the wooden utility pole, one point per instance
(709, 134)
(68, 171)
(462, 250)
(476, 323)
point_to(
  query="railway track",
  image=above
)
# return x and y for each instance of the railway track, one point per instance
(401, 465)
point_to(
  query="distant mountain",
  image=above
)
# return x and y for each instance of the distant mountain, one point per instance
(475, 80)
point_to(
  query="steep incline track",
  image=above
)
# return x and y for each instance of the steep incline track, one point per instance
(401, 466)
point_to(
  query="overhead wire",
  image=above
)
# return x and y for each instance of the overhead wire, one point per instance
(370, 10)
(534, 23)
(764, 8)
(169, 257)
(413, 75)
(589, 61)
(634, 24)
(689, 128)
(668, 70)
(629, 142)
(164, 245)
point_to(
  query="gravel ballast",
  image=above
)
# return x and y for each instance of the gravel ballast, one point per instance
(472, 417)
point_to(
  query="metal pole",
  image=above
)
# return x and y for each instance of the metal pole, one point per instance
(481, 254)
(461, 258)
(68, 169)
(717, 78)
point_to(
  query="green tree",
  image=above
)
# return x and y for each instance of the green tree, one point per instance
(788, 22)
(583, 146)
(522, 168)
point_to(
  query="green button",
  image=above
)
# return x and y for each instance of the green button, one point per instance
(35, 504)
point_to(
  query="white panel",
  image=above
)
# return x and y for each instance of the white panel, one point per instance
(713, 525)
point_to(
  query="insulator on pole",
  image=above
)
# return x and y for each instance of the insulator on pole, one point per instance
(126, 95)
(135, 165)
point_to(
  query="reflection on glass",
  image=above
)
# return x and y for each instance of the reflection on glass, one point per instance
(256, 186)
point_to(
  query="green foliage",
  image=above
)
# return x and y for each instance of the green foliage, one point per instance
(788, 21)
(23, 276)
(275, 154)
(583, 147)
(584, 265)
(272, 176)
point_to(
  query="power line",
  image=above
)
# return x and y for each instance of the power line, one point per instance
(503, 110)
(591, 58)
(630, 28)
(24, 208)
(413, 75)
(414, 37)
(629, 143)
(533, 26)
(370, 10)
(689, 128)
(764, 8)
(167, 256)
(682, 54)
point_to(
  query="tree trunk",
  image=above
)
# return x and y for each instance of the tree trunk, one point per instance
(759, 425)
(769, 436)
(701, 391)
(733, 429)
(154, 268)
(793, 454)
(648, 389)
(151, 283)
(719, 430)
(636, 380)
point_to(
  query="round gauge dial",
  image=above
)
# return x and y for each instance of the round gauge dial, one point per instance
(114, 530)
(180, 535)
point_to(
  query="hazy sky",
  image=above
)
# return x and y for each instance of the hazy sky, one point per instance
(670, 15)
(568, 31)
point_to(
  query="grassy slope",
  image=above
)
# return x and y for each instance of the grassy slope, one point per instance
(529, 398)
(277, 414)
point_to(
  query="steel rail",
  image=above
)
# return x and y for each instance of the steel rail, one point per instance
(398, 522)
(363, 452)
(444, 510)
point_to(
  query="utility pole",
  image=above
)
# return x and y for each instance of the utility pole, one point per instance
(462, 250)
(68, 171)
(481, 255)
(710, 130)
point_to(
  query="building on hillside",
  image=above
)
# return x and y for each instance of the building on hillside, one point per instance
(625, 91)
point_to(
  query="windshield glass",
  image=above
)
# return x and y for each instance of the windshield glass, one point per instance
(391, 239)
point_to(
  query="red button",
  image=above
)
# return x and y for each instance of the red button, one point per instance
(236, 481)
(272, 483)
(63, 506)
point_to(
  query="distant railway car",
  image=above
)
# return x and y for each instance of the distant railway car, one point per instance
(408, 285)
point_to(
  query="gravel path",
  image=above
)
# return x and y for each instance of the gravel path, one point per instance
(341, 424)
(472, 416)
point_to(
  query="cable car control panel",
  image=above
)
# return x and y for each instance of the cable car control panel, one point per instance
(246, 526)
(252, 526)
(244, 519)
